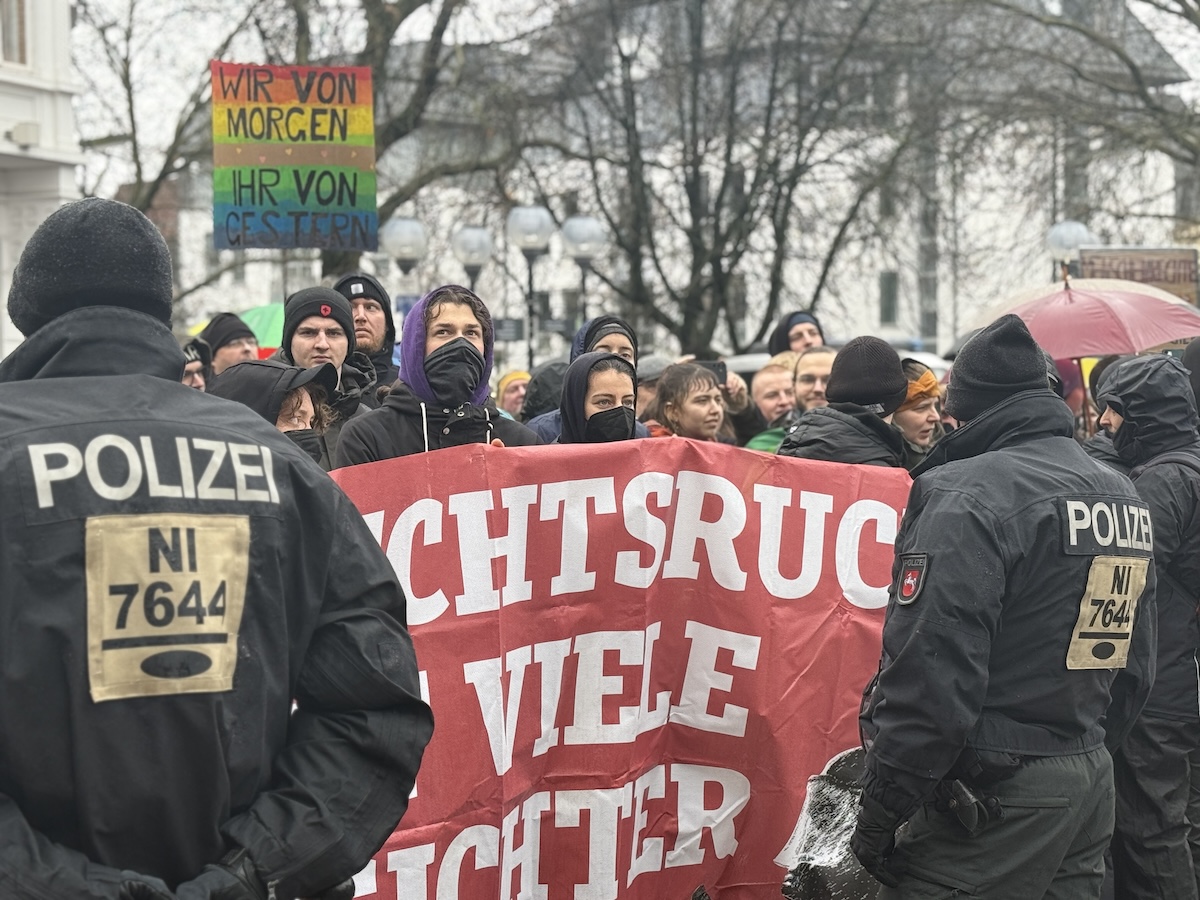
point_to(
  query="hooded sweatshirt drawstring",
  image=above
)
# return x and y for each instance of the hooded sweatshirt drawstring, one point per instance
(425, 426)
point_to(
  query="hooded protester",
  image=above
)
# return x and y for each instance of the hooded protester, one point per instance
(318, 327)
(544, 390)
(598, 399)
(207, 674)
(609, 334)
(1151, 411)
(290, 398)
(796, 331)
(374, 327)
(866, 386)
(1000, 681)
(1100, 445)
(442, 397)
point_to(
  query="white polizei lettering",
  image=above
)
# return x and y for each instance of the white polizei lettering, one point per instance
(205, 489)
(718, 537)
(425, 512)
(550, 657)
(649, 719)
(606, 807)
(91, 464)
(153, 484)
(498, 709)
(773, 501)
(644, 527)
(701, 678)
(646, 855)
(572, 497)
(1079, 518)
(483, 839)
(695, 817)
(477, 548)
(527, 855)
(849, 537)
(592, 686)
(1102, 539)
(1147, 528)
(186, 477)
(243, 471)
(411, 866)
(268, 462)
(1121, 541)
(44, 475)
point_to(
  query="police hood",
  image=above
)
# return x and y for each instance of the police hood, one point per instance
(1154, 397)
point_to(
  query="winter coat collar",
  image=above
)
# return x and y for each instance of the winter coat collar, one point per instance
(404, 402)
(1023, 417)
(97, 341)
(845, 432)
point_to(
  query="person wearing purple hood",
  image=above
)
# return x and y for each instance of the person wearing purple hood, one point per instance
(441, 399)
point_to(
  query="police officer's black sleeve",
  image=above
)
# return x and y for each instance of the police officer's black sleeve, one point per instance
(34, 868)
(936, 649)
(342, 782)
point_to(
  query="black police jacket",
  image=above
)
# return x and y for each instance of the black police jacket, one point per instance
(844, 432)
(1160, 419)
(404, 424)
(1022, 600)
(173, 574)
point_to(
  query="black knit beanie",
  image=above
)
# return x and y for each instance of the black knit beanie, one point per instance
(224, 328)
(316, 301)
(1001, 360)
(91, 252)
(867, 371)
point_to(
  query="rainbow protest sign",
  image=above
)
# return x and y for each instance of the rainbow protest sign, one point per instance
(293, 157)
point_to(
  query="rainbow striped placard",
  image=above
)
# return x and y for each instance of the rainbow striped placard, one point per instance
(293, 157)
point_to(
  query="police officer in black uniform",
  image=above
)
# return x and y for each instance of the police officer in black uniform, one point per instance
(1019, 636)
(174, 573)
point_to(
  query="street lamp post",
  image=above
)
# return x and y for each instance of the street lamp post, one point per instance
(583, 239)
(405, 241)
(529, 229)
(472, 246)
(1063, 240)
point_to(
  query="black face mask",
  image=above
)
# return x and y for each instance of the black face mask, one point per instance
(616, 424)
(453, 371)
(307, 440)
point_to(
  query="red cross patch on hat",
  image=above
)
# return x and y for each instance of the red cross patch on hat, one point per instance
(326, 309)
(913, 567)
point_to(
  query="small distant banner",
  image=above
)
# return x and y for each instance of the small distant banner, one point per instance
(293, 157)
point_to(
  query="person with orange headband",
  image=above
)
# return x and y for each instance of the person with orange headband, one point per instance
(918, 417)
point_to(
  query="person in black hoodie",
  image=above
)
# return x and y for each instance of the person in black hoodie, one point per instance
(278, 392)
(1100, 445)
(866, 386)
(796, 331)
(1151, 411)
(374, 327)
(441, 399)
(598, 399)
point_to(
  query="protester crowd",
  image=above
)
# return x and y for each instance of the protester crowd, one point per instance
(972, 692)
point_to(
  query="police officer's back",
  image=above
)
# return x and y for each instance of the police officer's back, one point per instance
(173, 573)
(1021, 601)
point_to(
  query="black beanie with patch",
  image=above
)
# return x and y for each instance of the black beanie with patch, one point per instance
(92, 252)
(316, 301)
(1001, 360)
(868, 372)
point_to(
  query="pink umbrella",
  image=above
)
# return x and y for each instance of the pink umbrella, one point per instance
(1098, 316)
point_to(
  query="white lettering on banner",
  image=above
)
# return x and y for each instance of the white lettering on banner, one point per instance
(246, 471)
(500, 706)
(519, 853)
(849, 537)
(773, 501)
(676, 553)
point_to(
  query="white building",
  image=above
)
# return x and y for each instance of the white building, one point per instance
(39, 149)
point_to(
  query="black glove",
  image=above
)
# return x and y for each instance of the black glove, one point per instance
(874, 841)
(145, 890)
(234, 878)
(343, 891)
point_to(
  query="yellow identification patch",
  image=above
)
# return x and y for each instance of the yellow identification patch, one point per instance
(1106, 613)
(165, 593)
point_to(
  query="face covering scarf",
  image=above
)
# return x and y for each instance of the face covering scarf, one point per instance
(614, 424)
(453, 371)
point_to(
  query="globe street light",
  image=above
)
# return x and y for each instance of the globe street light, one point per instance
(529, 229)
(472, 246)
(584, 239)
(405, 241)
(1063, 240)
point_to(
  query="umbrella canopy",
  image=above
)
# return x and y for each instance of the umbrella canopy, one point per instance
(1099, 316)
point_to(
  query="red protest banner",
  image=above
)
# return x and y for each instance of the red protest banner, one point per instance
(636, 655)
